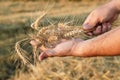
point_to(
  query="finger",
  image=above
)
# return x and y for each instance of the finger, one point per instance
(60, 41)
(113, 19)
(33, 42)
(90, 22)
(47, 53)
(43, 48)
(42, 56)
(78, 39)
(98, 30)
(104, 27)
(109, 26)
(89, 34)
(54, 44)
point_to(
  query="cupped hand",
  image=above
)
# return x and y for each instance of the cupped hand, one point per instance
(62, 49)
(100, 20)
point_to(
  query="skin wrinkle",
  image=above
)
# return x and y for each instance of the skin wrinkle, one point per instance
(57, 49)
(98, 46)
(81, 51)
(106, 42)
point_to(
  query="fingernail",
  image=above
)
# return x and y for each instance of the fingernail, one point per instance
(42, 56)
(89, 34)
(86, 26)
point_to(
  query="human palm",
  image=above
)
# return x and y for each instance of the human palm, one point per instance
(62, 49)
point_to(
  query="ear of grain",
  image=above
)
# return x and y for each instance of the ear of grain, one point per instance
(21, 53)
(49, 35)
(35, 25)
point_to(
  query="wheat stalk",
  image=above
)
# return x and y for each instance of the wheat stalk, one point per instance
(48, 36)
(21, 53)
(35, 25)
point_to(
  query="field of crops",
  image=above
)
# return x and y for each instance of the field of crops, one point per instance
(16, 16)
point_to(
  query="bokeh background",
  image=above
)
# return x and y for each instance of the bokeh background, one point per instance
(16, 17)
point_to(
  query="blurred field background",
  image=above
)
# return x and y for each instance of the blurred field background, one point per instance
(16, 17)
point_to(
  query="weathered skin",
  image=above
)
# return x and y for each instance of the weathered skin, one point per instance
(107, 44)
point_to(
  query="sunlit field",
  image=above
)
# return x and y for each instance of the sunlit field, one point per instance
(16, 17)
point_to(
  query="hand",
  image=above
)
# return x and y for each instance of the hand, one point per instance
(100, 20)
(62, 49)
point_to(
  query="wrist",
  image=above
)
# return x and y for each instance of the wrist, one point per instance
(84, 49)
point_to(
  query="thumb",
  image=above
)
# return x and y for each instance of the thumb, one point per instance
(90, 23)
(47, 53)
